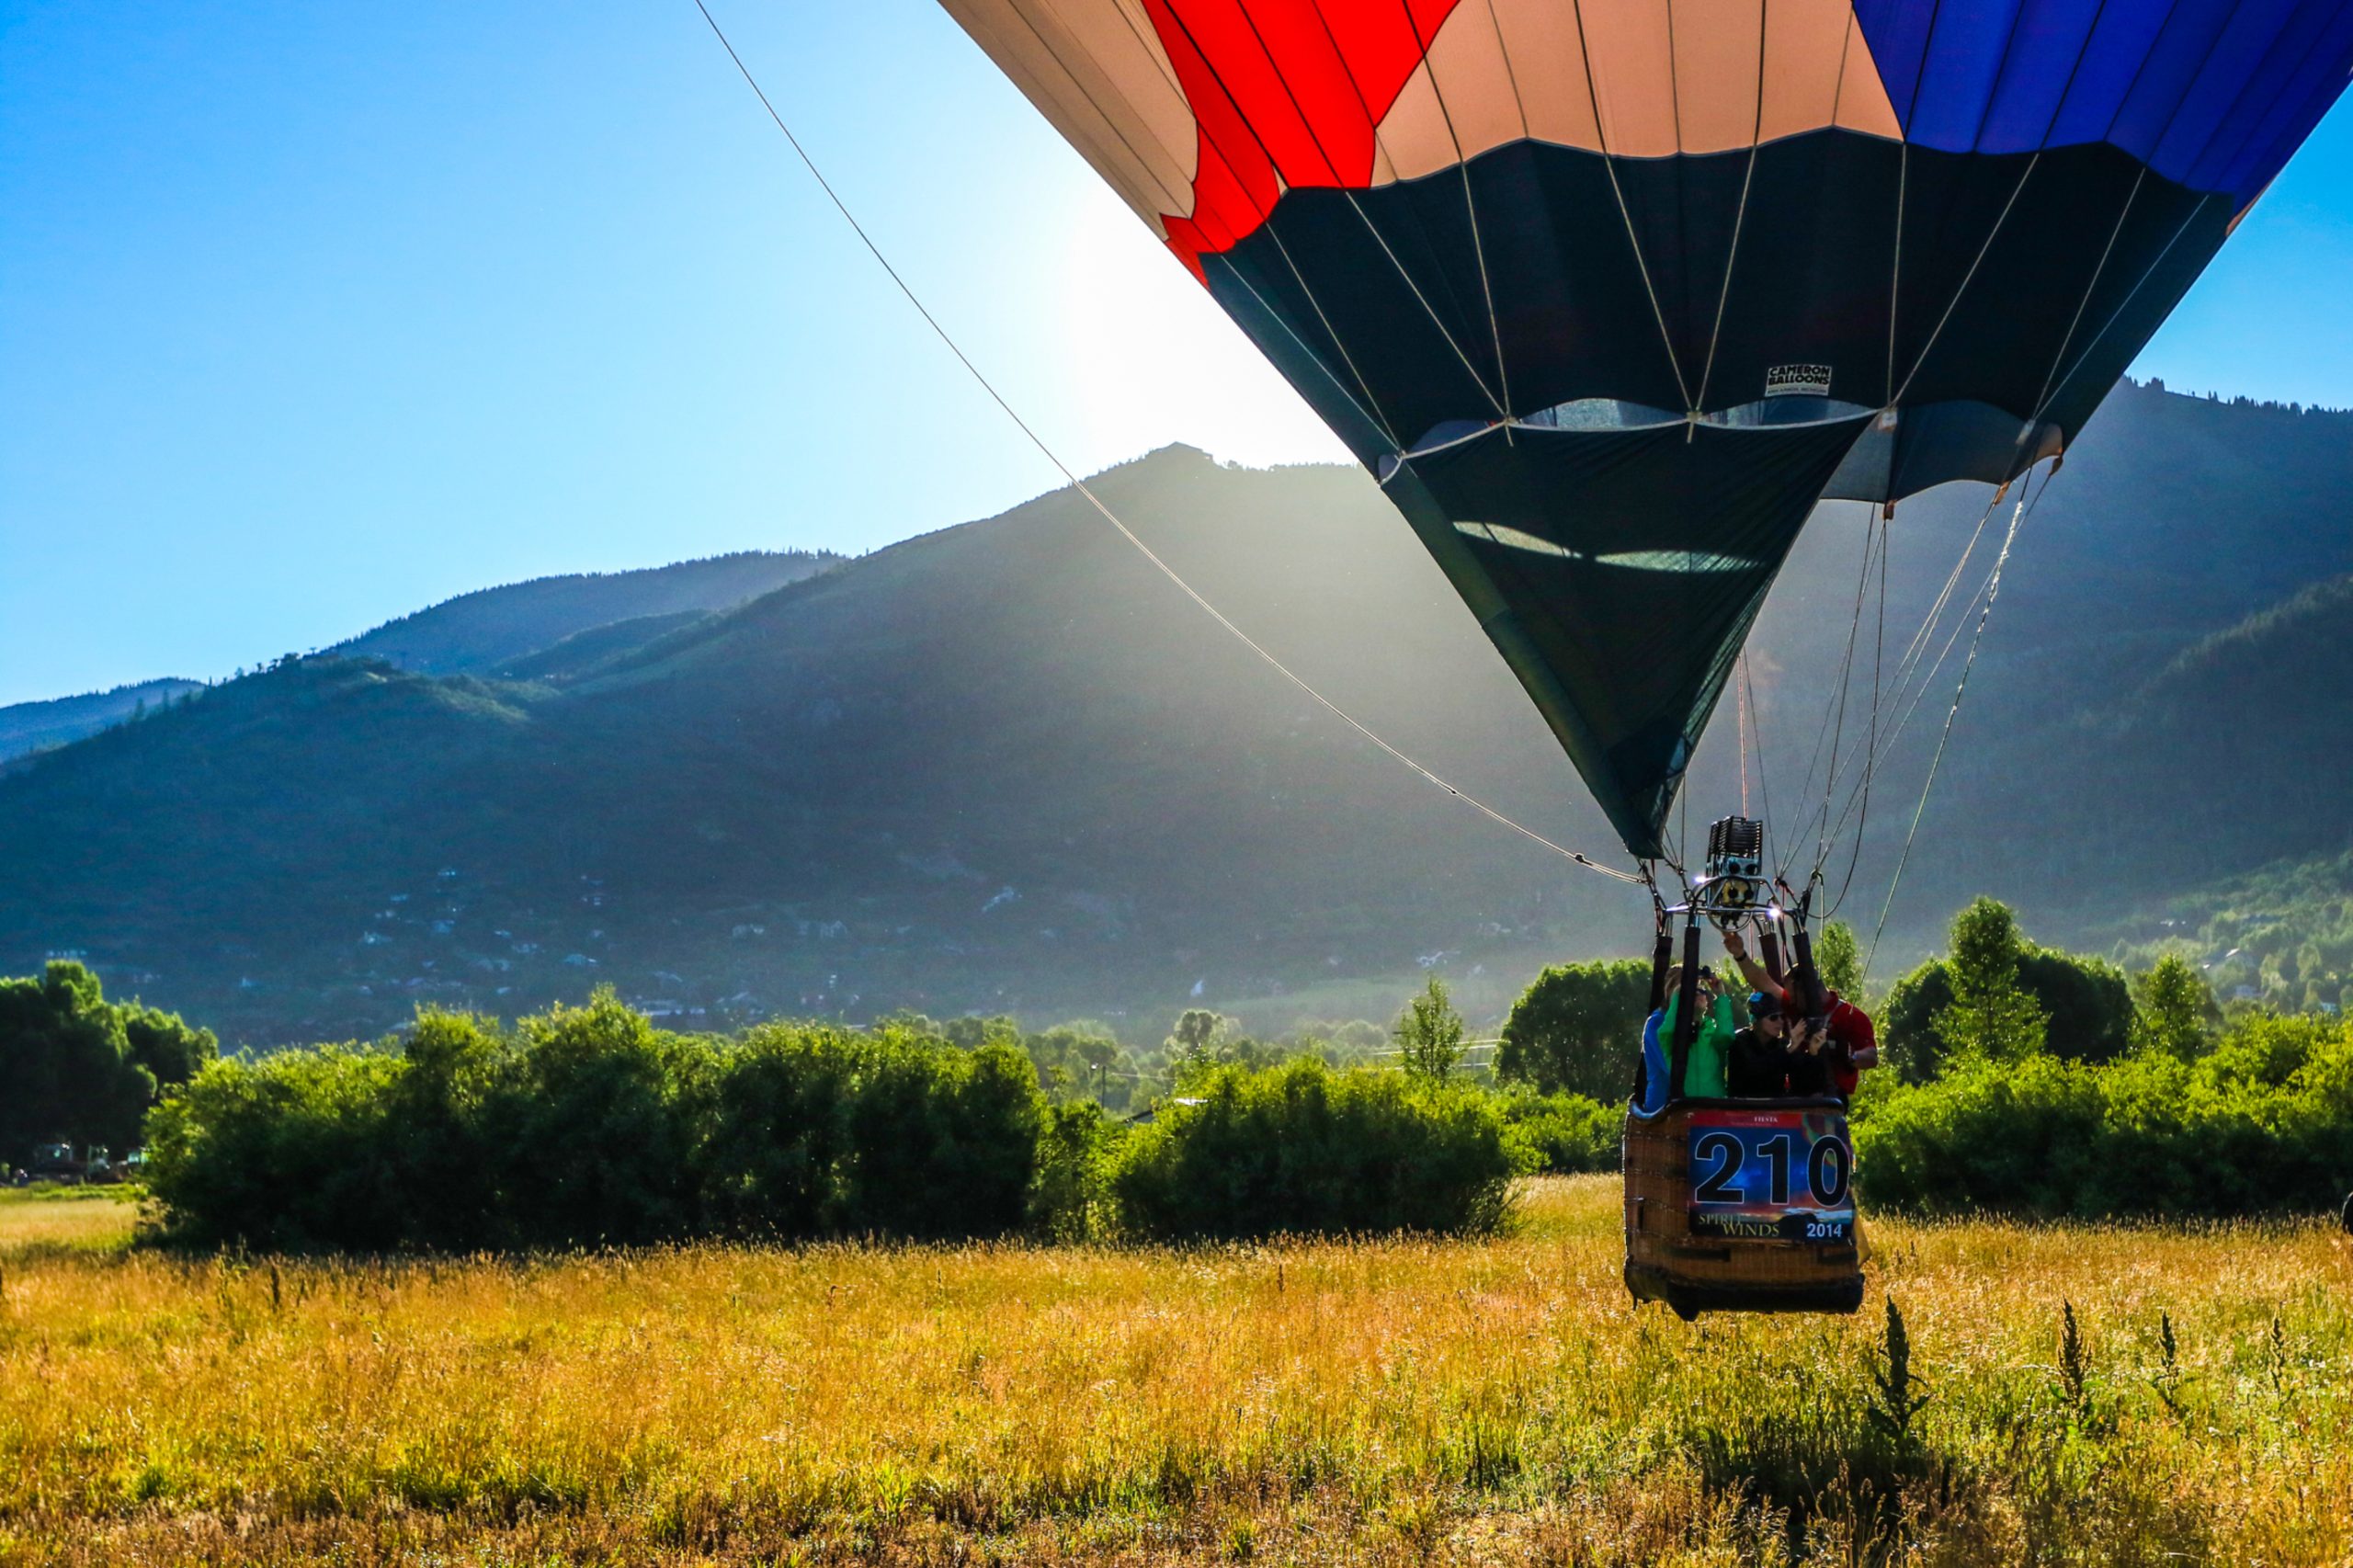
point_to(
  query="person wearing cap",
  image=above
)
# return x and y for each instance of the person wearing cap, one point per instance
(1758, 1064)
(1825, 1052)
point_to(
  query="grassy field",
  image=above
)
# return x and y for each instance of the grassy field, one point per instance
(42, 1221)
(1388, 1401)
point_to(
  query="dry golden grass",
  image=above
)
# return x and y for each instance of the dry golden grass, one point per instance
(1387, 1401)
(76, 1219)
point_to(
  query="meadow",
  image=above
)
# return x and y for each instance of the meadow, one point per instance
(47, 1220)
(1386, 1401)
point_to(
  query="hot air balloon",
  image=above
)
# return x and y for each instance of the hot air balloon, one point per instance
(1608, 294)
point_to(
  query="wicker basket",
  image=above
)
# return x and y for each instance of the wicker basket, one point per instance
(1666, 1262)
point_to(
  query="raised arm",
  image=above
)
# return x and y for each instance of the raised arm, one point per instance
(1750, 970)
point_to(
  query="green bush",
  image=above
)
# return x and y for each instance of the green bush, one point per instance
(1303, 1148)
(293, 1152)
(1578, 1029)
(588, 1126)
(1564, 1134)
(942, 1144)
(592, 1128)
(2264, 1124)
(1078, 1154)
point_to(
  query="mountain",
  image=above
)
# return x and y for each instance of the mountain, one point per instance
(547, 629)
(1006, 764)
(2222, 758)
(1008, 767)
(2277, 685)
(584, 653)
(479, 632)
(28, 727)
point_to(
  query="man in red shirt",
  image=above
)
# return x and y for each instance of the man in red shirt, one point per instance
(1840, 1035)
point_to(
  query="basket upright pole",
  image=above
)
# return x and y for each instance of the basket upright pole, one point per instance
(1687, 1007)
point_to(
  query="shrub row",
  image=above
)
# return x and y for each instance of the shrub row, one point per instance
(1303, 1148)
(2264, 1124)
(588, 1126)
(1564, 1134)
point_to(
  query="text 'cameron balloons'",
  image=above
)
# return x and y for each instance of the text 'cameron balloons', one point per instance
(1608, 293)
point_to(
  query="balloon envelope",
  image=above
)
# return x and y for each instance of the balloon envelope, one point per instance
(1608, 293)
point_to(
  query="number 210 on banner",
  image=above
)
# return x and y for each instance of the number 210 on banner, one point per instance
(1772, 1173)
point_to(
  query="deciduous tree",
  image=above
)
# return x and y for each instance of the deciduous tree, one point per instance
(1992, 1016)
(1577, 1028)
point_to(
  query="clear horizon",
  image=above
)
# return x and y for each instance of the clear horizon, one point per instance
(309, 323)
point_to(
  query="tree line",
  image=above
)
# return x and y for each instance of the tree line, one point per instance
(77, 1069)
(2017, 1078)
(589, 1126)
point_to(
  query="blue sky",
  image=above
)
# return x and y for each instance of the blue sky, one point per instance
(313, 315)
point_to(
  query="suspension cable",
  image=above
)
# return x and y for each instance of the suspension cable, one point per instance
(1872, 532)
(1871, 746)
(1905, 695)
(1741, 705)
(1834, 703)
(1993, 590)
(1097, 502)
(1757, 734)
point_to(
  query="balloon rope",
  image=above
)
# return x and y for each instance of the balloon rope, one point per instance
(1756, 736)
(1835, 701)
(2123, 305)
(1874, 536)
(1743, 742)
(1097, 502)
(1370, 406)
(1870, 748)
(1907, 694)
(1952, 304)
(1470, 207)
(2090, 289)
(1205, 55)
(1739, 220)
(1993, 590)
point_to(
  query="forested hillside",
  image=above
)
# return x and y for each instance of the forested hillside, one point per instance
(479, 632)
(547, 629)
(1007, 766)
(26, 727)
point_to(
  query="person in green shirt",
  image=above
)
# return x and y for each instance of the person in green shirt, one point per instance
(1703, 1070)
